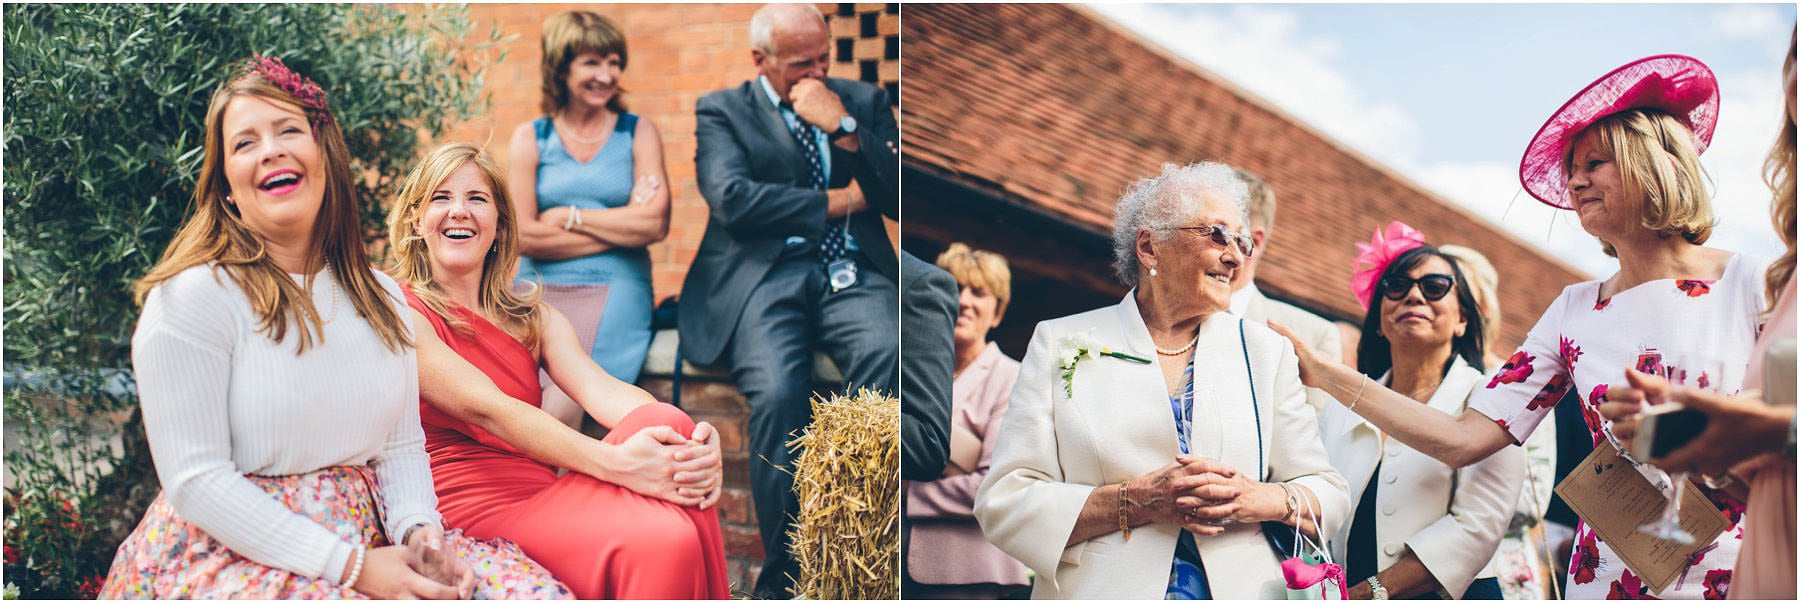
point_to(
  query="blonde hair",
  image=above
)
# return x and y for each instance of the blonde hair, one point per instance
(977, 268)
(517, 313)
(566, 36)
(215, 232)
(1261, 206)
(1778, 172)
(1658, 163)
(1484, 281)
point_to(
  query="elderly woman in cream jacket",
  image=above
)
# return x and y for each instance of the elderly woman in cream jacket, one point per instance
(1147, 442)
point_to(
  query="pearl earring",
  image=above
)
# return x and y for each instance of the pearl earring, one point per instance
(1152, 271)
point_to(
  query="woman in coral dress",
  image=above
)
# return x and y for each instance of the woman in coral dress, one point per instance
(633, 516)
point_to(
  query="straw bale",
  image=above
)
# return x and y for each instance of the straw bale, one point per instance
(846, 540)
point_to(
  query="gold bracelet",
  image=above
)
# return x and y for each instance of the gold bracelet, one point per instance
(1124, 523)
(1359, 391)
(1293, 503)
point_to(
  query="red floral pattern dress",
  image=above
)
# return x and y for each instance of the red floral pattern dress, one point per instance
(1586, 342)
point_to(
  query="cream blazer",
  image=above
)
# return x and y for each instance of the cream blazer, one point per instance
(1055, 449)
(1451, 519)
(1319, 334)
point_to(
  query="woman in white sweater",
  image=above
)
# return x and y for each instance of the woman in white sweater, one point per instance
(279, 386)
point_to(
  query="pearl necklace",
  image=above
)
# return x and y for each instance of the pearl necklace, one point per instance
(1178, 352)
(568, 131)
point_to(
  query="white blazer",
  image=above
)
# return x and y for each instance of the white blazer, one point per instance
(1055, 449)
(1451, 519)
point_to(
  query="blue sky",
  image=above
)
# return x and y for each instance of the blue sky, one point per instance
(1448, 95)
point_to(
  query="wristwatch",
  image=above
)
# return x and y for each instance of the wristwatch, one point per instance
(1377, 591)
(846, 127)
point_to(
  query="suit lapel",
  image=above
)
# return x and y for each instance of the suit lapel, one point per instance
(774, 128)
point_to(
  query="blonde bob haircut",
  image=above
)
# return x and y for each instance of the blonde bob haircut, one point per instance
(215, 233)
(568, 35)
(977, 268)
(410, 260)
(1657, 163)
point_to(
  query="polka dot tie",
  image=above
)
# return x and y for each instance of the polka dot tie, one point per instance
(831, 248)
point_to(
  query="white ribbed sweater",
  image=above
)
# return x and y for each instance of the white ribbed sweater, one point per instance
(221, 400)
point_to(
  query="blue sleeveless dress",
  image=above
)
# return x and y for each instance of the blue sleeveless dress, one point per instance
(623, 336)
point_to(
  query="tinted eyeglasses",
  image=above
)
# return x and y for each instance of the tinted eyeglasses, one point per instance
(1223, 236)
(1433, 286)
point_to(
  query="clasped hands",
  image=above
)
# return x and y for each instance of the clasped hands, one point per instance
(659, 463)
(1202, 496)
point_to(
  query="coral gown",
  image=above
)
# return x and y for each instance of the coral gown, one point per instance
(602, 540)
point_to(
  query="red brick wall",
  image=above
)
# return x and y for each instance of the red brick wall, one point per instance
(678, 54)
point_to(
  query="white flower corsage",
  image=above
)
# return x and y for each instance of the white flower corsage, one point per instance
(1075, 347)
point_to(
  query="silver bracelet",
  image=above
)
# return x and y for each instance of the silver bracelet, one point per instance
(355, 569)
(1359, 391)
(573, 219)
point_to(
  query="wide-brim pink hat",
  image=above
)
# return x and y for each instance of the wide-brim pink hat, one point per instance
(1679, 85)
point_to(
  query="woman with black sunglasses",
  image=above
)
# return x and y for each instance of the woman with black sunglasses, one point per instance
(1419, 528)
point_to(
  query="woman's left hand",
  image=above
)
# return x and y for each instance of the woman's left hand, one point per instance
(1623, 403)
(702, 470)
(1214, 501)
(430, 555)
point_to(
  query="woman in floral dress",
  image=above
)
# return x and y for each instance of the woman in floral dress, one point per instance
(277, 376)
(1623, 154)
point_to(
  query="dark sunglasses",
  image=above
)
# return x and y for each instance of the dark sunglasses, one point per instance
(1223, 236)
(1433, 286)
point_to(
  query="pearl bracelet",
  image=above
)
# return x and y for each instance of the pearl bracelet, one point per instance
(355, 569)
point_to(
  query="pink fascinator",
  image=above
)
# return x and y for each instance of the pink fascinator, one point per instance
(1679, 85)
(1374, 257)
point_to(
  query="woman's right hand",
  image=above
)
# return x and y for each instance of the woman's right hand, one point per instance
(385, 575)
(646, 463)
(1309, 361)
(1154, 495)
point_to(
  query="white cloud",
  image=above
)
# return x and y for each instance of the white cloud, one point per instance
(1262, 50)
(1749, 115)
(1750, 21)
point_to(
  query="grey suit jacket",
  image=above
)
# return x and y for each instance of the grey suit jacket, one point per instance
(751, 173)
(927, 366)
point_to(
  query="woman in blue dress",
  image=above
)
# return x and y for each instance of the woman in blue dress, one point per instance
(587, 180)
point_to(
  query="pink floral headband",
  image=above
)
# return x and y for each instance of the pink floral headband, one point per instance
(1373, 258)
(303, 88)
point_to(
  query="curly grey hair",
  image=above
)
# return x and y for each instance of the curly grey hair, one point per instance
(1158, 204)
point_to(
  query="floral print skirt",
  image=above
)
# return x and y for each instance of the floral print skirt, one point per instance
(168, 558)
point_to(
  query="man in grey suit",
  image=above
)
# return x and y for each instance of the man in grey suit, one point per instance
(1249, 302)
(792, 260)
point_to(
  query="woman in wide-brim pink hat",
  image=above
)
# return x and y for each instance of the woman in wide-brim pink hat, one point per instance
(1624, 155)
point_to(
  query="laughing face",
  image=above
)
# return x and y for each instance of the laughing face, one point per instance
(593, 78)
(273, 167)
(459, 221)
